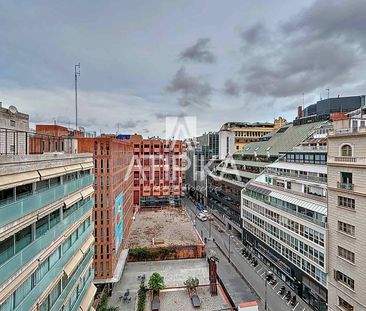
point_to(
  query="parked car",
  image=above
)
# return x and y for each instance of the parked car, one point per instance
(202, 216)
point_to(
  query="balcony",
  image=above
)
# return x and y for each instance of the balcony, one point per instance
(74, 280)
(45, 282)
(15, 210)
(33, 249)
(297, 176)
(347, 160)
(345, 186)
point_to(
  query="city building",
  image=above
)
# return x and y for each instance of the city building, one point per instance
(284, 212)
(245, 132)
(14, 131)
(201, 155)
(331, 105)
(226, 144)
(113, 209)
(227, 179)
(157, 172)
(347, 214)
(46, 232)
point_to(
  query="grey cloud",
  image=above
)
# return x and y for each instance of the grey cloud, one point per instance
(333, 18)
(194, 91)
(232, 88)
(255, 34)
(321, 46)
(162, 116)
(199, 52)
(130, 124)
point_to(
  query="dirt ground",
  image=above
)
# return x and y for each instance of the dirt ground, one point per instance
(169, 225)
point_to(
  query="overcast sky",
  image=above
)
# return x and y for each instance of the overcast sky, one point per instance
(140, 61)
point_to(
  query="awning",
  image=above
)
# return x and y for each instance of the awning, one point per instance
(88, 298)
(51, 172)
(305, 204)
(257, 189)
(72, 264)
(13, 180)
(73, 168)
(18, 280)
(72, 199)
(88, 191)
(87, 166)
(311, 168)
(89, 242)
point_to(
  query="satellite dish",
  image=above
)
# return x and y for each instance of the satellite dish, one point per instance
(13, 109)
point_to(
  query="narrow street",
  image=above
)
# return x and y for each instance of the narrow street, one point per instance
(241, 279)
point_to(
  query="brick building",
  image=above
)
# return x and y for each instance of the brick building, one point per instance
(157, 174)
(113, 210)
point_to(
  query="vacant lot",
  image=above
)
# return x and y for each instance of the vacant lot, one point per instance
(169, 225)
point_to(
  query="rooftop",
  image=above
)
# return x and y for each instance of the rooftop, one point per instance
(284, 139)
(162, 225)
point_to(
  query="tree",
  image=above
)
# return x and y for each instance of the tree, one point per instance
(192, 283)
(156, 282)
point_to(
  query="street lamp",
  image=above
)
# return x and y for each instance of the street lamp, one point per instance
(265, 294)
(230, 237)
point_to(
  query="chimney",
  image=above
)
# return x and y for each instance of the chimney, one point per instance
(299, 112)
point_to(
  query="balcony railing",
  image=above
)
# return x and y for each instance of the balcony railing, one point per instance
(352, 160)
(298, 176)
(45, 282)
(345, 186)
(74, 280)
(285, 209)
(15, 210)
(30, 251)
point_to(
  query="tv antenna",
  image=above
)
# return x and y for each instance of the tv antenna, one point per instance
(77, 74)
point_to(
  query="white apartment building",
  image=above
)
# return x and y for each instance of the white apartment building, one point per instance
(284, 213)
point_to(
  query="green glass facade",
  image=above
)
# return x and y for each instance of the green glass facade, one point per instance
(47, 263)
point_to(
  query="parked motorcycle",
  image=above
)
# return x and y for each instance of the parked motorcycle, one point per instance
(288, 296)
(293, 300)
(282, 290)
(269, 276)
(273, 281)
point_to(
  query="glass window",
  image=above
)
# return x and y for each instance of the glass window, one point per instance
(23, 238)
(42, 226)
(6, 249)
(54, 258)
(55, 293)
(54, 218)
(23, 291)
(41, 271)
(346, 151)
(8, 304)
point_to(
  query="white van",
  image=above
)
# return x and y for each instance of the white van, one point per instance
(202, 216)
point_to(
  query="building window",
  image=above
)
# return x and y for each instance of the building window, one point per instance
(346, 151)
(346, 254)
(346, 202)
(42, 226)
(6, 250)
(23, 238)
(344, 279)
(346, 228)
(12, 123)
(344, 304)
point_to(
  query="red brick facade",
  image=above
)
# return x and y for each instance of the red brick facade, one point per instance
(113, 176)
(157, 175)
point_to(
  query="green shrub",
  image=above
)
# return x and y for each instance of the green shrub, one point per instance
(140, 253)
(156, 282)
(141, 298)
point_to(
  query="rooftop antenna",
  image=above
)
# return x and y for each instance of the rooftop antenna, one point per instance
(327, 91)
(303, 99)
(77, 74)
